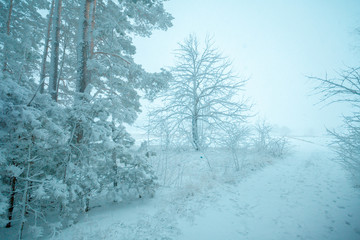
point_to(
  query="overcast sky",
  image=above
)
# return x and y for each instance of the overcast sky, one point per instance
(275, 44)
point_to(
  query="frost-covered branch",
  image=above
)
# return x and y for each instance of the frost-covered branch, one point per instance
(204, 89)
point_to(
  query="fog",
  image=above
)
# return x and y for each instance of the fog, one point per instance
(78, 162)
(274, 44)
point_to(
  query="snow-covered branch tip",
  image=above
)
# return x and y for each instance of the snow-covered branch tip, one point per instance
(113, 55)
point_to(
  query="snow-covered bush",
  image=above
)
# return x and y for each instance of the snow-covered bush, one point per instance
(278, 147)
(135, 177)
(265, 143)
(130, 176)
(235, 137)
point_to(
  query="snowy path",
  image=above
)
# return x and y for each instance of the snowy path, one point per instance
(305, 197)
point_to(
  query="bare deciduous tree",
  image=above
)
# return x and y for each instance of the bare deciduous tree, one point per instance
(203, 92)
(345, 88)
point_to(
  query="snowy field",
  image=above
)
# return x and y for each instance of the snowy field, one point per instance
(304, 196)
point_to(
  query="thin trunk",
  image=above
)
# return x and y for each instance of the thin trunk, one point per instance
(195, 132)
(12, 201)
(92, 29)
(115, 175)
(166, 156)
(87, 203)
(115, 169)
(9, 18)
(55, 50)
(61, 67)
(235, 158)
(83, 46)
(82, 81)
(46, 48)
(194, 122)
(7, 32)
(24, 202)
(62, 207)
(91, 37)
(29, 197)
(114, 162)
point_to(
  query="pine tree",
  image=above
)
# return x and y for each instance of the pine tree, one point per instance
(58, 149)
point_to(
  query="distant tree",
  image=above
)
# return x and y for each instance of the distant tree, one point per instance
(345, 88)
(204, 91)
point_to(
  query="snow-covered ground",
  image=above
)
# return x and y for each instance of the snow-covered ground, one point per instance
(305, 196)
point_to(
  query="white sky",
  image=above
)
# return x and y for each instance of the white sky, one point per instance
(276, 44)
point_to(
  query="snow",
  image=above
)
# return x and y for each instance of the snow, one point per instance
(305, 196)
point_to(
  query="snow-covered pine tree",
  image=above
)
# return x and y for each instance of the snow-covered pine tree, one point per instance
(20, 22)
(33, 142)
(108, 77)
(57, 156)
(20, 37)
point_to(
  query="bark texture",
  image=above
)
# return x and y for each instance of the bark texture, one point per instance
(55, 51)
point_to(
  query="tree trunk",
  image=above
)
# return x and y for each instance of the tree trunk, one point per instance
(115, 168)
(55, 51)
(92, 28)
(195, 117)
(46, 48)
(9, 18)
(83, 46)
(91, 36)
(7, 33)
(82, 52)
(194, 120)
(82, 81)
(195, 132)
(62, 65)
(87, 203)
(12, 201)
(24, 201)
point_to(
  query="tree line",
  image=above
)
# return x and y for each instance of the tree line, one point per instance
(68, 83)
